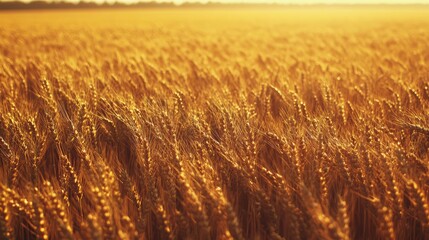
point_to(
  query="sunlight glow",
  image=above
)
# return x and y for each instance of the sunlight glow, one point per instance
(270, 1)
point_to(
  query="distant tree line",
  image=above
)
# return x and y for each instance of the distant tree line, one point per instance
(14, 5)
(18, 5)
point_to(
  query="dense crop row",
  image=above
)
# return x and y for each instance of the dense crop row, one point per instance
(260, 126)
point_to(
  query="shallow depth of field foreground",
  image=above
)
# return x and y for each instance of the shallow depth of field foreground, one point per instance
(301, 123)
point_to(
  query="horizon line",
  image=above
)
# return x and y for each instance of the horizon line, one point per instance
(154, 2)
(58, 5)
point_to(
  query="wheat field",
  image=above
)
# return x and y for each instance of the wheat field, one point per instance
(291, 123)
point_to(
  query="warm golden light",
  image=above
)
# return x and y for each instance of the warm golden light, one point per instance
(154, 121)
(269, 1)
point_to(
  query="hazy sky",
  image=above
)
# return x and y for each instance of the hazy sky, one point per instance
(269, 1)
(304, 1)
(311, 1)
